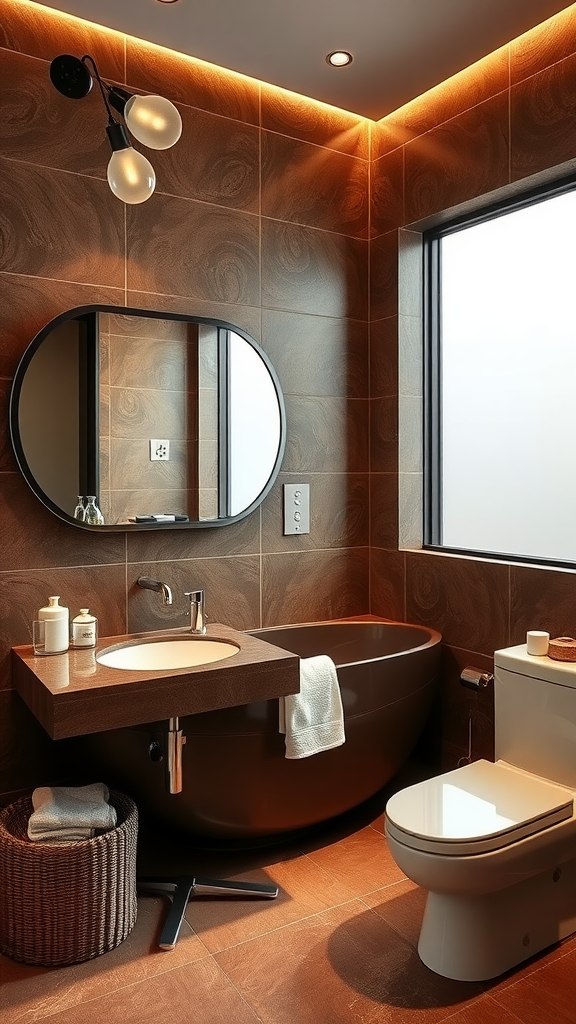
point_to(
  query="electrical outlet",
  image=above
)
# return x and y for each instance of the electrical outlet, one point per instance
(159, 450)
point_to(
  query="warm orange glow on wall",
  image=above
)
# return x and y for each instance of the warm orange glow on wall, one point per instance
(494, 69)
(62, 18)
(465, 82)
(342, 130)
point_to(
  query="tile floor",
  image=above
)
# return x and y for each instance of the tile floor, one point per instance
(337, 946)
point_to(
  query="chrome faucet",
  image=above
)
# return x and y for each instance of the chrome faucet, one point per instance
(161, 588)
(197, 611)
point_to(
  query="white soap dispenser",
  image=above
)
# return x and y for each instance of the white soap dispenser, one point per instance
(56, 628)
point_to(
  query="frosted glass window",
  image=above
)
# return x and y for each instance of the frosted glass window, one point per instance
(507, 395)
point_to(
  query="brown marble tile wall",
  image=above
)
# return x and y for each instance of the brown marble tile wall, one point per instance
(260, 218)
(149, 391)
(457, 147)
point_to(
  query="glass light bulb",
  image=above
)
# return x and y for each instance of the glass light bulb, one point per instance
(131, 176)
(153, 120)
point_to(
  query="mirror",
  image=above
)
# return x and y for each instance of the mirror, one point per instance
(127, 419)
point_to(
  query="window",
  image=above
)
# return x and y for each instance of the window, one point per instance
(500, 452)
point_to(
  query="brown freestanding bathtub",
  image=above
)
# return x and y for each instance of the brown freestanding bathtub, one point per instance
(237, 782)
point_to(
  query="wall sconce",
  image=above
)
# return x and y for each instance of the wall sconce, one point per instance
(152, 120)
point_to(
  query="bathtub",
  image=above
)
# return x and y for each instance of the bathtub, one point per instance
(237, 783)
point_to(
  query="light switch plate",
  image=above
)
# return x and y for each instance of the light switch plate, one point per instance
(296, 508)
(159, 450)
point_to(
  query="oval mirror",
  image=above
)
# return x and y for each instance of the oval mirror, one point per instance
(129, 419)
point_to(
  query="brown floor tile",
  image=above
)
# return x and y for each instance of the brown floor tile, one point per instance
(31, 993)
(378, 823)
(196, 994)
(536, 964)
(401, 905)
(342, 966)
(338, 945)
(305, 889)
(482, 1011)
(361, 861)
(544, 995)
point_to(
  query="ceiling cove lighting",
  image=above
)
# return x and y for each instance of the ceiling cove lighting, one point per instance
(339, 58)
(152, 120)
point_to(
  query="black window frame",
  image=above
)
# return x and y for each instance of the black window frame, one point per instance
(432, 366)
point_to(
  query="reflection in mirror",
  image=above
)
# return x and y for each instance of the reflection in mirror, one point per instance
(49, 415)
(161, 419)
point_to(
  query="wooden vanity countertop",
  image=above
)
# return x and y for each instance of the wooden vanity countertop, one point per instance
(71, 694)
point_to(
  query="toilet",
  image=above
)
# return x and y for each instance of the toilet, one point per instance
(495, 843)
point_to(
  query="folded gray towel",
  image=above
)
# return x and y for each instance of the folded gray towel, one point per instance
(65, 814)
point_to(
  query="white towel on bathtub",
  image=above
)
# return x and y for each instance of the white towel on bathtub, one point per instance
(313, 720)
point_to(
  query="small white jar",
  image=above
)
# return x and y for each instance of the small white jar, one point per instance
(84, 632)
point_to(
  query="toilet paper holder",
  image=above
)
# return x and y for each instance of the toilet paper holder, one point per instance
(475, 678)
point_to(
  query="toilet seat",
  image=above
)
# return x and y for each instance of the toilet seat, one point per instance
(478, 808)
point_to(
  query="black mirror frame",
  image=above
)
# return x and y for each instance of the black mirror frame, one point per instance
(81, 311)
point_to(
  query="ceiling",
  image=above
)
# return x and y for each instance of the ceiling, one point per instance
(401, 48)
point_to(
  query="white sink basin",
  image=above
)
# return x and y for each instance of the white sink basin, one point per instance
(177, 652)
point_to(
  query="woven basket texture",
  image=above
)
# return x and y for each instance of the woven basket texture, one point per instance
(66, 903)
(562, 648)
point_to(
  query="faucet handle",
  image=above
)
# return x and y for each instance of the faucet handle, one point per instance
(197, 611)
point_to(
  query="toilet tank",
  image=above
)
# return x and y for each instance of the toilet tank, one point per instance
(535, 714)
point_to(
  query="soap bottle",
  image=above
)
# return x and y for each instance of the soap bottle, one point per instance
(56, 620)
(84, 631)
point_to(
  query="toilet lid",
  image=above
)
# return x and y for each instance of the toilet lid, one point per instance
(479, 807)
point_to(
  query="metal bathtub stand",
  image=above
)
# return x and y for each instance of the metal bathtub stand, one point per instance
(181, 888)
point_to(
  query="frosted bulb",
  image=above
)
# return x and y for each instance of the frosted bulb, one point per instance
(153, 120)
(131, 176)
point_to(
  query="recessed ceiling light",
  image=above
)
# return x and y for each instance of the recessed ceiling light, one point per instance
(339, 58)
(167, 1)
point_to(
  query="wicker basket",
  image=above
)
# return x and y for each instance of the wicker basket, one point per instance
(68, 903)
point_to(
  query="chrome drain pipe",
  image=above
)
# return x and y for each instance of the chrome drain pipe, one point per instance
(175, 740)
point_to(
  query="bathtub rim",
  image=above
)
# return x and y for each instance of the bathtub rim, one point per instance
(434, 636)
